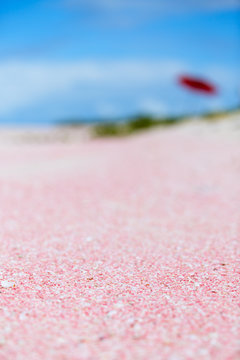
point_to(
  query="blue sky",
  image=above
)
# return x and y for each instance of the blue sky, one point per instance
(83, 59)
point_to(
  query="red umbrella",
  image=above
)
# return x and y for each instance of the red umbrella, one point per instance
(197, 84)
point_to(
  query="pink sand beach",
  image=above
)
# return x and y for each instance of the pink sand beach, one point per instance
(122, 249)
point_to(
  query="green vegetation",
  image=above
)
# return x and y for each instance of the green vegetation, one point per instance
(138, 123)
(218, 115)
(110, 129)
(100, 128)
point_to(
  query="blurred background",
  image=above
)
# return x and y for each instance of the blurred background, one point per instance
(94, 60)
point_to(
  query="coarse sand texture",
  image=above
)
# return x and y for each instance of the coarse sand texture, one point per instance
(123, 249)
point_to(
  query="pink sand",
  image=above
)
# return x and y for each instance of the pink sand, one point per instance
(121, 249)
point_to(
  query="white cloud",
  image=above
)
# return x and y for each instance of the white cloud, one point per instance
(103, 88)
(107, 110)
(25, 84)
(153, 106)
